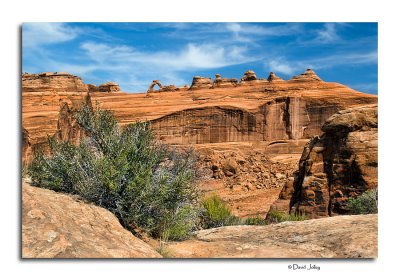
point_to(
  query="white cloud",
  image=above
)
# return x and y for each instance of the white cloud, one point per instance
(36, 34)
(281, 64)
(135, 69)
(327, 34)
(192, 56)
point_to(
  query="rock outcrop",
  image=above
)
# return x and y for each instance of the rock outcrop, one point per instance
(334, 237)
(109, 87)
(61, 226)
(341, 163)
(274, 78)
(55, 82)
(308, 76)
(201, 83)
(224, 82)
(249, 75)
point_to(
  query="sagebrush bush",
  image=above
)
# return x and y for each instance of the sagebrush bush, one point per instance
(144, 183)
(275, 216)
(366, 203)
(216, 213)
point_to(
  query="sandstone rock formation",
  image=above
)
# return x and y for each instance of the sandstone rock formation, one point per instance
(335, 237)
(46, 98)
(275, 119)
(61, 226)
(342, 163)
(93, 88)
(154, 83)
(308, 76)
(201, 83)
(168, 88)
(249, 75)
(224, 82)
(109, 87)
(274, 78)
(55, 82)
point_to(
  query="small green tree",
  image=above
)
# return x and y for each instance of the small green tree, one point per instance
(144, 183)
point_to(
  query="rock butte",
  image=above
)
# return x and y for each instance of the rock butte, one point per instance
(56, 225)
(266, 122)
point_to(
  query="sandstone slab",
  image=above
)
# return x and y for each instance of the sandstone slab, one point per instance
(334, 237)
(56, 225)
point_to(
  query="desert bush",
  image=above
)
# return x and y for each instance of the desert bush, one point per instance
(254, 221)
(366, 203)
(275, 216)
(216, 213)
(144, 183)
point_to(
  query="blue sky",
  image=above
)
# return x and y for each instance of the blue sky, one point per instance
(134, 54)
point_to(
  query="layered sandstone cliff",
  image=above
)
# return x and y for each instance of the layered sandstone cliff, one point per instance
(275, 118)
(340, 164)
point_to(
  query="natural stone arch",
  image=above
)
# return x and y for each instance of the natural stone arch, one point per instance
(153, 83)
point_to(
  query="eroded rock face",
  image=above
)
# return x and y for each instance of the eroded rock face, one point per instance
(334, 237)
(224, 82)
(279, 119)
(308, 76)
(259, 111)
(341, 163)
(60, 226)
(109, 87)
(48, 100)
(201, 82)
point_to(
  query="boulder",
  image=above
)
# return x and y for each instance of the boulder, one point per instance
(56, 225)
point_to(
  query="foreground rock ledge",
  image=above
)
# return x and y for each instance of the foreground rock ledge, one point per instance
(336, 237)
(58, 226)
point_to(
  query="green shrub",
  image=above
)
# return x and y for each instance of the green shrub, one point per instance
(216, 213)
(275, 216)
(144, 183)
(254, 221)
(366, 203)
